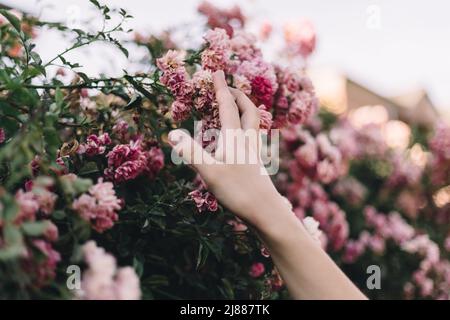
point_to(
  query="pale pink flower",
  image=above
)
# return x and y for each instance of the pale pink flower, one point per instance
(172, 60)
(46, 200)
(242, 83)
(155, 162)
(127, 284)
(243, 45)
(312, 227)
(99, 206)
(307, 154)
(326, 172)
(51, 232)
(28, 205)
(301, 38)
(222, 18)
(217, 55)
(103, 280)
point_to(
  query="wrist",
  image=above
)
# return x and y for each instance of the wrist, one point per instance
(276, 221)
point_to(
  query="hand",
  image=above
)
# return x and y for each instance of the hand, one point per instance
(245, 188)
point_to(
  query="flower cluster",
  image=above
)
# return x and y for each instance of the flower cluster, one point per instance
(94, 145)
(2, 135)
(204, 200)
(128, 161)
(289, 96)
(440, 146)
(351, 190)
(385, 227)
(99, 206)
(103, 280)
(300, 38)
(315, 157)
(356, 143)
(35, 200)
(36, 205)
(295, 99)
(309, 197)
(222, 18)
(405, 172)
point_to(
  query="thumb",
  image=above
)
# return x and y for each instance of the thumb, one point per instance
(189, 150)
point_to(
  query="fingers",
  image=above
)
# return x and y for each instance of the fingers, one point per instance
(192, 152)
(249, 112)
(228, 111)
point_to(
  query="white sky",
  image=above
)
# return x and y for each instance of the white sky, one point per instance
(391, 46)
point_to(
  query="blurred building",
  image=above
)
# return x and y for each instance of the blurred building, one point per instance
(414, 107)
(340, 95)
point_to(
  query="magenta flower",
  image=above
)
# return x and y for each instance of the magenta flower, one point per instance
(257, 269)
(94, 145)
(2, 135)
(262, 91)
(125, 162)
(155, 162)
(204, 201)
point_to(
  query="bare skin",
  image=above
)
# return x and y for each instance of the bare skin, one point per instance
(307, 270)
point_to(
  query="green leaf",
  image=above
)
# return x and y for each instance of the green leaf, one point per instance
(95, 3)
(135, 101)
(59, 99)
(36, 57)
(138, 265)
(15, 22)
(83, 76)
(202, 255)
(88, 168)
(35, 229)
(58, 214)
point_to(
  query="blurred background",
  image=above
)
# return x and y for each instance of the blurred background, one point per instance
(368, 52)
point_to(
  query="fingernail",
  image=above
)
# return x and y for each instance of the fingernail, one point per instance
(219, 74)
(175, 137)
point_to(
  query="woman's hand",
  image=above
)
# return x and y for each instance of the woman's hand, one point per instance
(245, 188)
(247, 191)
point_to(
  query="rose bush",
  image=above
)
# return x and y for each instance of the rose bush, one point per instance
(87, 177)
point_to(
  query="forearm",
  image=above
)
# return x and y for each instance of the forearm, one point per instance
(307, 270)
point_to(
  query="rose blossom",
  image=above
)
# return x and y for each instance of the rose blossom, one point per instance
(103, 280)
(99, 206)
(204, 201)
(43, 269)
(94, 144)
(257, 269)
(2, 135)
(125, 162)
(312, 227)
